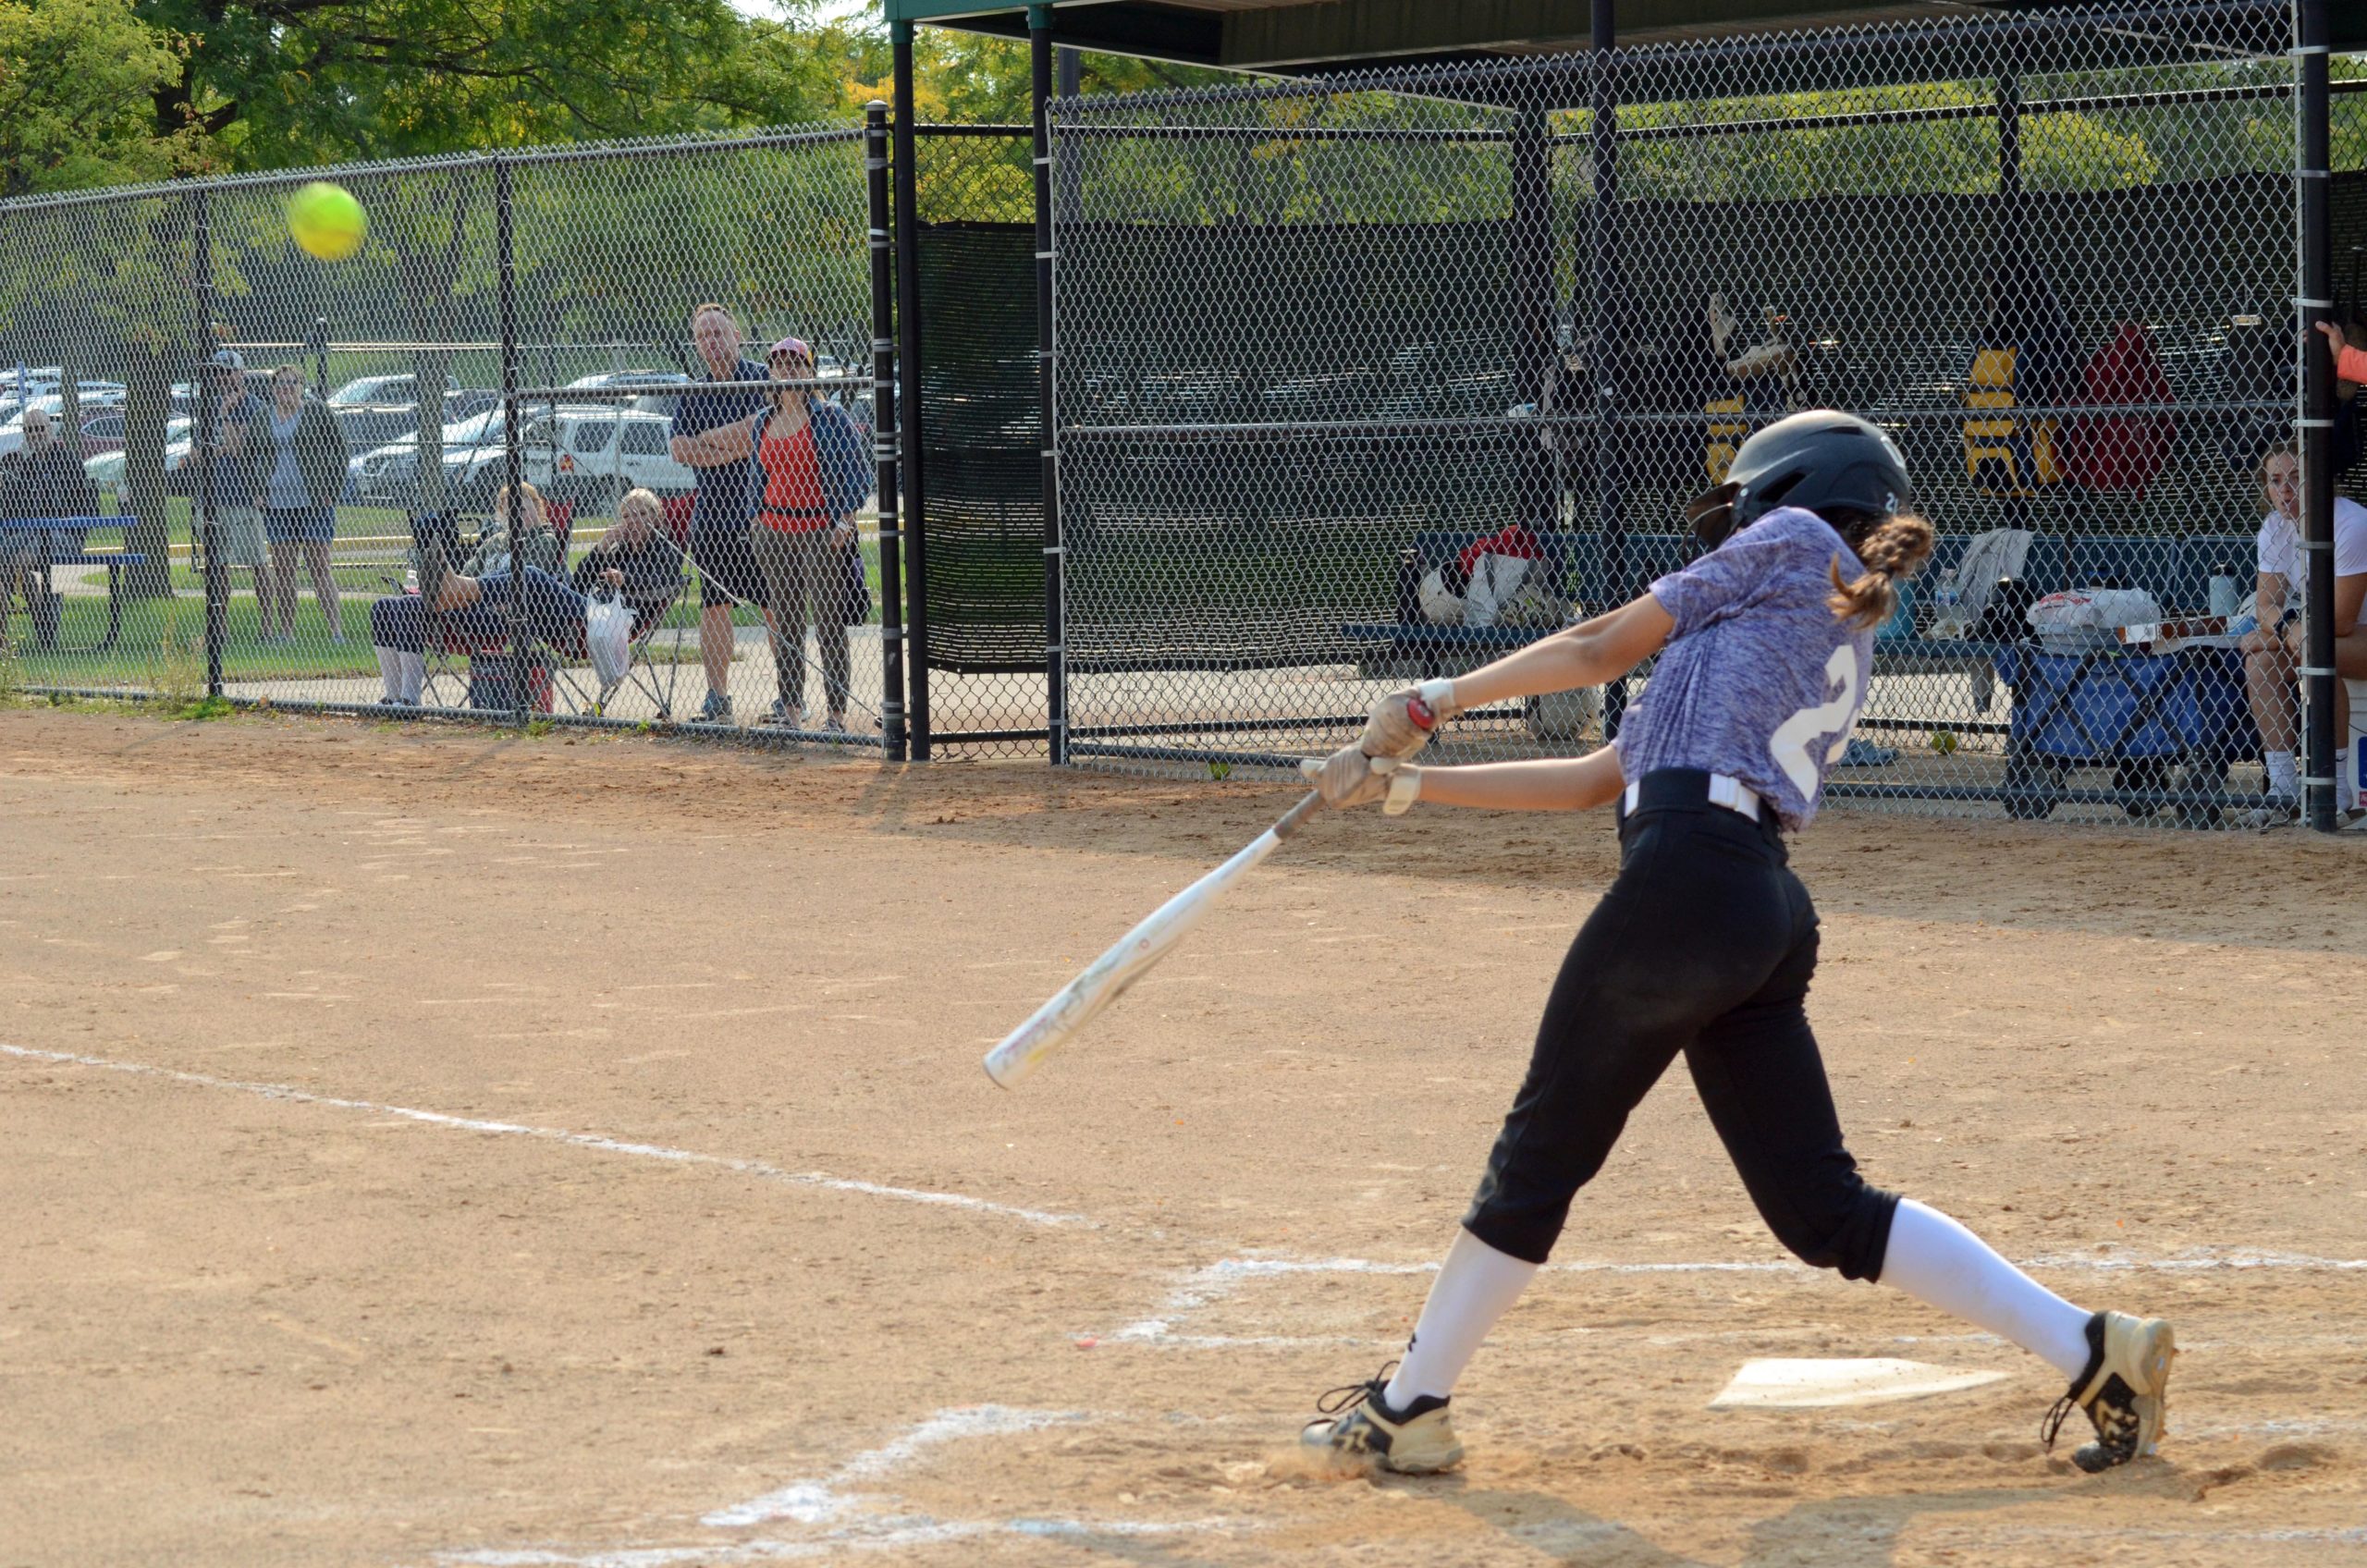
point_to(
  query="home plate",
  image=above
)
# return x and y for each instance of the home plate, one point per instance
(1804, 1384)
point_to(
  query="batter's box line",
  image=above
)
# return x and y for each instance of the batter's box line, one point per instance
(1206, 1286)
(833, 1518)
(757, 1168)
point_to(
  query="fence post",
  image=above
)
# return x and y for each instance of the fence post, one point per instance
(1603, 98)
(1056, 696)
(884, 433)
(2316, 305)
(506, 271)
(910, 413)
(202, 438)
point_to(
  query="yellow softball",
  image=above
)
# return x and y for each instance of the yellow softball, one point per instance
(327, 221)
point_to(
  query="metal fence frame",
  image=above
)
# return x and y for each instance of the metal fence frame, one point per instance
(501, 170)
(1605, 82)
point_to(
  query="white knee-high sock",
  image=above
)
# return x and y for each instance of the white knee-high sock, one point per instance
(390, 672)
(1941, 1264)
(414, 673)
(1477, 1284)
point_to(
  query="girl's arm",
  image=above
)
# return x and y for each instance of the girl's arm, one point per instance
(1585, 654)
(1557, 784)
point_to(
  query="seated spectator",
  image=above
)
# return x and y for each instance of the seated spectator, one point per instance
(636, 560)
(44, 480)
(468, 602)
(2272, 647)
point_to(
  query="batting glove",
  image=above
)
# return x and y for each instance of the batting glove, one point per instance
(1348, 778)
(1395, 730)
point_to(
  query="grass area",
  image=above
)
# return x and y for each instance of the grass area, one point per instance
(161, 646)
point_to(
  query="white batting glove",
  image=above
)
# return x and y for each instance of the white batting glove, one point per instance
(1348, 778)
(1395, 731)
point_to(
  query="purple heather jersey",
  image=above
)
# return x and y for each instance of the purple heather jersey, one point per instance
(1759, 681)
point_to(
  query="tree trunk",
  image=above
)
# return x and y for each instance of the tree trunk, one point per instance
(148, 406)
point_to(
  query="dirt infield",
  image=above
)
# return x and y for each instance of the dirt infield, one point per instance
(432, 1147)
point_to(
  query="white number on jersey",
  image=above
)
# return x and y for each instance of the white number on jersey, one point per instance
(1789, 746)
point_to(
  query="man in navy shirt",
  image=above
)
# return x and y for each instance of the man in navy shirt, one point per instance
(710, 435)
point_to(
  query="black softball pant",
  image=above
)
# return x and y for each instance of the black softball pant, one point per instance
(1705, 944)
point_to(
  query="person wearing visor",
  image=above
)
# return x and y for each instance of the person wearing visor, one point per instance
(812, 477)
(1704, 945)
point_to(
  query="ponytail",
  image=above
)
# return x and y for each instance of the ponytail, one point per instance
(1892, 548)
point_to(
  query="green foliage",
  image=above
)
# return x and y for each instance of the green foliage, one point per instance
(78, 81)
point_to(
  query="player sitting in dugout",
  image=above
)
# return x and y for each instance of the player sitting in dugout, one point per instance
(2272, 646)
(471, 605)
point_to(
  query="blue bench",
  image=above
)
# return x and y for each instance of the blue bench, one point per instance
(114, 560)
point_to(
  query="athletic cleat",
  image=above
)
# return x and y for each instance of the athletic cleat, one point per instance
(2125, 1390)
(1356, 1423)
(2273, 811)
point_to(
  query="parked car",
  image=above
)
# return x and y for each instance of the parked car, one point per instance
(383, 389)
(590, 456)
(375, 425)
(389, 474)
(105, 468)
(651, 402)
(12, 435)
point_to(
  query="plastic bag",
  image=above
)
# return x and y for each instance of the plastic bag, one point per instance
(608, 637)
(1494, 580)
(2090, 618)
(1439, 608)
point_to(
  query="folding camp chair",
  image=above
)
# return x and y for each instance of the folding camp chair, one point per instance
(488, 683)
(658, 678)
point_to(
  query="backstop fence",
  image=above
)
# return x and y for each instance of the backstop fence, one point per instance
(230, 439)
(1374, 377)
(1353, 381)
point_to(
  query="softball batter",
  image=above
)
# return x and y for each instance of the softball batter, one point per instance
(1705, 943)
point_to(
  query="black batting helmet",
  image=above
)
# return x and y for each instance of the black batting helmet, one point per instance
(1816, 459)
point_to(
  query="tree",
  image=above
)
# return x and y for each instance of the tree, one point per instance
(77, 83)
(280, 83)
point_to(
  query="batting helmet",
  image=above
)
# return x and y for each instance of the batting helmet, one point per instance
(1816, 459)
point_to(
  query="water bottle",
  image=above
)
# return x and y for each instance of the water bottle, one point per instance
(2222, 590)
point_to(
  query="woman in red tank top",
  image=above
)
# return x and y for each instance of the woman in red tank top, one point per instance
(799, 548)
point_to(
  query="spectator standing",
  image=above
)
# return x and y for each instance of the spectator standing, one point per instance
(302, 461)
(711, 434)
(239, 441)
(813, 475)
(43, 480)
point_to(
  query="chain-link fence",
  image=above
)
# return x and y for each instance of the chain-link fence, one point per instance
(1377, 377)
(979, 664)
(233, 467)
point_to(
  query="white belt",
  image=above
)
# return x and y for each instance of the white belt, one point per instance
(1732, 794)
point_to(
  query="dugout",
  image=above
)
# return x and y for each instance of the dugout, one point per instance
(1212, 520)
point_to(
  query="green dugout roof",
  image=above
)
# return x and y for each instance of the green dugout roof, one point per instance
(1300, 36)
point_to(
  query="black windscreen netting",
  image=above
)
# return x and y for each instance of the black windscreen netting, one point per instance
(981, 444)
(1250, 457)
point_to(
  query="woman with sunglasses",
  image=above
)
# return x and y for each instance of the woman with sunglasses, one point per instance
(812, 477)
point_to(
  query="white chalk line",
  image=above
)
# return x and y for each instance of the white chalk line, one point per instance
(1211, 1283)
(854, 1527)
(815, 1502)
(756, 1168)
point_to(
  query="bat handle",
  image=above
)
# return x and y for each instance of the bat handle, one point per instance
(1419, 712)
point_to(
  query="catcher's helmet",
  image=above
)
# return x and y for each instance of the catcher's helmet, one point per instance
(1816, 459)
